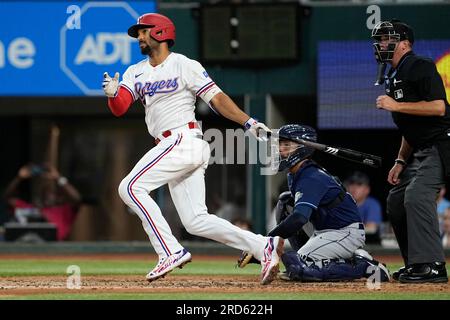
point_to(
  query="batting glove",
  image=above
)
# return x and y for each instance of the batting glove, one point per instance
(258, 129)
(110, 85)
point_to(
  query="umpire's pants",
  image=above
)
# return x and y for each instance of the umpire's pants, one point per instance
(411, 208)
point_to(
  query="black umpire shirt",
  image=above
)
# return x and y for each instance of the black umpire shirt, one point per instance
(417, 79)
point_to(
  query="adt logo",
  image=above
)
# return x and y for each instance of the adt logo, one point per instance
(100, 44)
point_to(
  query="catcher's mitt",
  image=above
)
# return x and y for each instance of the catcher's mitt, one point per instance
(245, 259)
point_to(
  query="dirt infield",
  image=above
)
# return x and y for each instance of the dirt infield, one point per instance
(213, 284)
(30, 285)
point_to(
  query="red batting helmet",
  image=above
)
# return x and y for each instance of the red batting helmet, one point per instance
(162, 28)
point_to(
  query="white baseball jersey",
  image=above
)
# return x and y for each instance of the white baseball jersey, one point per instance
(169, 90)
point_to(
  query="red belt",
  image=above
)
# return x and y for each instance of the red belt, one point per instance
(168, 133)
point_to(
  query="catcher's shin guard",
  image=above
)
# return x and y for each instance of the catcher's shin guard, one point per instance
(366, 264)
(294, 266)
(331, 270)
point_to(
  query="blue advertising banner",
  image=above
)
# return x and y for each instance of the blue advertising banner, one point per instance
(62, 48)
(346, 75)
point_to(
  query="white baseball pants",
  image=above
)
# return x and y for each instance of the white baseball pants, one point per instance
(180, 160)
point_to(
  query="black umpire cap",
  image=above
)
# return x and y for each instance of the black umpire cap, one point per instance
(404, 30)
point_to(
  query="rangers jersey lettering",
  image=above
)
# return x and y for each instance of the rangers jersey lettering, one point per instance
(169, 90)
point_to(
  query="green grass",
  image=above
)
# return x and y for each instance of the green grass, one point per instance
(58, 267)
(234, 296)
(115, 267)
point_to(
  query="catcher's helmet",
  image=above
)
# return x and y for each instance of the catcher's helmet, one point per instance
(162, 28)
(295, 132)
(392, 31)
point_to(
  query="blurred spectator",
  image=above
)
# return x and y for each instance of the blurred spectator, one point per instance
(242, 223)
(446, 229)
(358, 185)
(442, 202)
(231, 210)
(54, 199)
(442, 205)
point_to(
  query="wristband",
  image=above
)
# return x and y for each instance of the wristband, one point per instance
(249, 123)
(401, 162)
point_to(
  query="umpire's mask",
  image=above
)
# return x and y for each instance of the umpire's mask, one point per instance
(387, 34)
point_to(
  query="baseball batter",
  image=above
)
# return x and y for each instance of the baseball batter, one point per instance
(168, 84)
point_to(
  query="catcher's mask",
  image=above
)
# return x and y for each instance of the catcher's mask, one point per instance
(298, 152)
(387, 34)
(162, 28)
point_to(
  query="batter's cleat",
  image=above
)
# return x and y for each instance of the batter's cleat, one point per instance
(372, 265)
(271, 259)
(167, 264)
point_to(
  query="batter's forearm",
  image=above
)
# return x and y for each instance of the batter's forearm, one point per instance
(227, 108)
(121, 103)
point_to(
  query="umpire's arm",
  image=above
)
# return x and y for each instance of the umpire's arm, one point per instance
(420, 108)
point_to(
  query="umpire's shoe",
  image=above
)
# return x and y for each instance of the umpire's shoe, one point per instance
(167, 264)
(425, 272)
(271, 259)
(396, 274)
(372, 265)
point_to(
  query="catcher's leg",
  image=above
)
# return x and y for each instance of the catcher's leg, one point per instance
(334, 244)
(331, 270)
(331, 245)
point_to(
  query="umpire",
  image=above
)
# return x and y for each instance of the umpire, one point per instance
(416, 97)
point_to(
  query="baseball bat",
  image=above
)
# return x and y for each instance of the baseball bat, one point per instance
(380, 74)
(348, 154)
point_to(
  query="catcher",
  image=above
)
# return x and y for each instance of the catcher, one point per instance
(333, 251)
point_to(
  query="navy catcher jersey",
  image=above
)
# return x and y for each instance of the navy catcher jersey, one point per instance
(313, 187)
